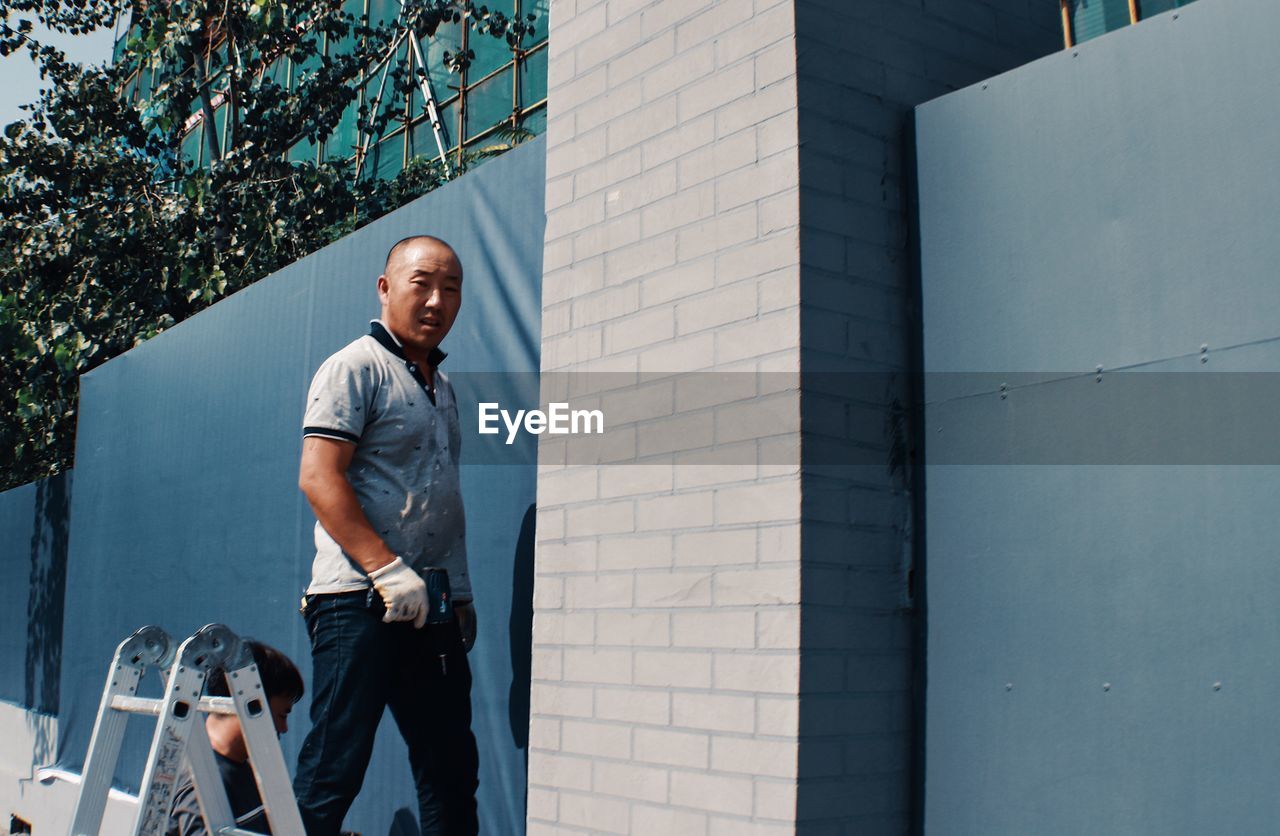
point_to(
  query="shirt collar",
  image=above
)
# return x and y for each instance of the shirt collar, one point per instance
(383, 335)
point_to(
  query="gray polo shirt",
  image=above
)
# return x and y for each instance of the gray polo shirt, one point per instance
(405, 467)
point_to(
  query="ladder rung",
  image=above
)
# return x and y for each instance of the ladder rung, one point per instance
(144, 705)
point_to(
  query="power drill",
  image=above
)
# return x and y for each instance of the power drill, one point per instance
(439, 595)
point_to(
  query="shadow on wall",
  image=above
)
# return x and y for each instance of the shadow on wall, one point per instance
(404, 824)
(521, 634)
(45, 600)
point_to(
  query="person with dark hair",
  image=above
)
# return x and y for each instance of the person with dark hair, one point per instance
(283, 685)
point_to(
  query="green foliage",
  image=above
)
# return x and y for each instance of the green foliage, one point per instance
(108, 235)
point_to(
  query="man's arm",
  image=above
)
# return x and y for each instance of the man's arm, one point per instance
(323, 479)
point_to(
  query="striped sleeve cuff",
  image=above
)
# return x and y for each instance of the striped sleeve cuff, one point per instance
(327, 432)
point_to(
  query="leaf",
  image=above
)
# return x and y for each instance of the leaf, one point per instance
(109, 239)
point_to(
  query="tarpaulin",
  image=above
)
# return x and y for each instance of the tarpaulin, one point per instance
(187, 511)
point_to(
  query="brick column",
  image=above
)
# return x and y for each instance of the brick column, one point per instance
(667, 622)
(715, 203)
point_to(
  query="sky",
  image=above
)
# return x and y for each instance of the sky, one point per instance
(19, 81)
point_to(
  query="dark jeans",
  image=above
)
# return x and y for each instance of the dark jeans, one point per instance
(361, 666)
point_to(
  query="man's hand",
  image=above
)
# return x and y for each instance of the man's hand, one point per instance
(403, 591)
(467, 622)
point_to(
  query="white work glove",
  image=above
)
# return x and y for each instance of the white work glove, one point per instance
(403, 591)
(467, 623)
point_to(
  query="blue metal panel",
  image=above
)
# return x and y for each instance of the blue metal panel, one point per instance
(1054, 198)
(34, 524)
(187, 509)
(1102, 626)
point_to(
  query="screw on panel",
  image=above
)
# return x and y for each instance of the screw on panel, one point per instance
(1217, 686)
(1008, 686)
(1106, 686)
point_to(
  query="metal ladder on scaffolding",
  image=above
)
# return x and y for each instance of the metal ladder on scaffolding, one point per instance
(179, 739)
(424, 86)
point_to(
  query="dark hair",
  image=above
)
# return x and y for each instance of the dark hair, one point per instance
(403, 241)
(280, 677)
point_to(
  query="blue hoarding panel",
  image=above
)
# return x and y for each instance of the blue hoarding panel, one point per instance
(1100, 547)
(187, 509)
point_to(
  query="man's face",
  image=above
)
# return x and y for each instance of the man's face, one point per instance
(420, 293)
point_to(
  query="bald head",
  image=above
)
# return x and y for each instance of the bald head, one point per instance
(420, 292)
(399, 247)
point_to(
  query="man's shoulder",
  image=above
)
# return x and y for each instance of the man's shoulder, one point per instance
(359, 354)
(362, 349)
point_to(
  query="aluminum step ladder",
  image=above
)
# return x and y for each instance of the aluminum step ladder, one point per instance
(179, 739)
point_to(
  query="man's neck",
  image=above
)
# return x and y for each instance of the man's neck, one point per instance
(226, 738)
(422, 357)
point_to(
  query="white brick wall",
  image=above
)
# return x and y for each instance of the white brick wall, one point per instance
(666, 627)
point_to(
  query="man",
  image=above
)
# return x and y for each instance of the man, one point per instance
(283, 686)
(380, 469)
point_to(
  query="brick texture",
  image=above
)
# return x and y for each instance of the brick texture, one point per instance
(667, 589)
